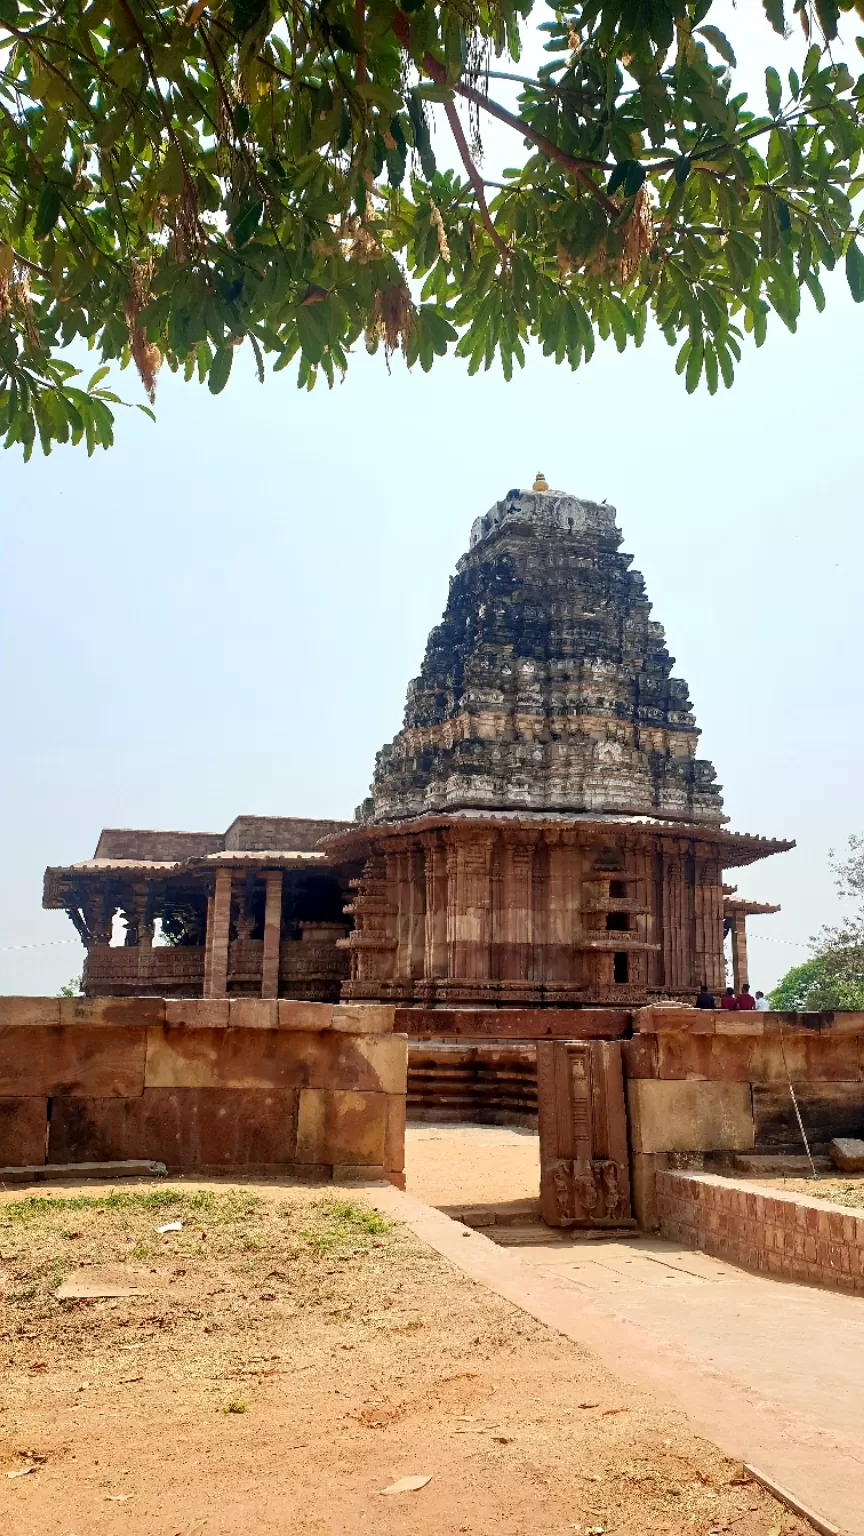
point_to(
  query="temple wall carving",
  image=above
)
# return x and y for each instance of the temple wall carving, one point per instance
(506, 914)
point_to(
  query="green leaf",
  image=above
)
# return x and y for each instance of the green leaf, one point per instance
(720, 42)
(245, 223)
(775, 12)
(628, 174)
(220, 368)
(47, 210)
(694, 364)
(773, 90)
(98, 376)
(855, 271)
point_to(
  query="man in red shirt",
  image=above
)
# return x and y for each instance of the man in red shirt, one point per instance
(744, 998)
(729, 1000)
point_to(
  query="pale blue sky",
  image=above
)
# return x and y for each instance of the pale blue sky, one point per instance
(221, 615)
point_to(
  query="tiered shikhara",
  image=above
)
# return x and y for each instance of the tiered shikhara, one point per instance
(541, 830)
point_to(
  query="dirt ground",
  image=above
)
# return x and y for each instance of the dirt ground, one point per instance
(841, 1188)
(289, 1356)
(451, 1165)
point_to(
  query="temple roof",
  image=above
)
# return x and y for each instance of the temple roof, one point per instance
(547, 685)
(733, 849)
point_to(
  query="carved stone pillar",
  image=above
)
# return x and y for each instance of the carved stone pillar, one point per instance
(272, 933)
(739, 950)
(473, 915)
(584, 1171)
(517, 911)
(218, 930)
(435, 946)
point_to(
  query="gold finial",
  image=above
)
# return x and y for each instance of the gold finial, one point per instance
(540, 482)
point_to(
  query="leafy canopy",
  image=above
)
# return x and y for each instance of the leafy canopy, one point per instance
(834, 977)
(176, 181)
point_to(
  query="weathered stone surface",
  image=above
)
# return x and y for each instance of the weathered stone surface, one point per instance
(363, 1018)
(263, 1058)
(643, 1185)
(197, 1013)
(23, 1130)
(253, 1013)
(689, 1116)
(341, 1127)
(514, 1023)
(107, 1061)
(304, 1017)
(758, 1058)
(640, 1056)
(112, 1011)
(182, 1127)
(546, 648)
(847, 1154)
(394, 1133)
(828, 1110)
(29, 1010)
(692, 1021)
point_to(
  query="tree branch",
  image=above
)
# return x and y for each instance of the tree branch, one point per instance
(475, 179)
(577, 168)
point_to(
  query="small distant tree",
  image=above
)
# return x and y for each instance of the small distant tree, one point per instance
(72, 987)
(834, 977)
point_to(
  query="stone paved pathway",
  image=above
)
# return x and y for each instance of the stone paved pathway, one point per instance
(772, 1372)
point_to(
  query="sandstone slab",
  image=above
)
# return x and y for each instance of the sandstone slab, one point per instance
(46, 1060)
(114, 1011)
(184, 1128)
(23, 1130)
(847, 1154)
(341, 1127)
(253, 1058)
(689, 1116)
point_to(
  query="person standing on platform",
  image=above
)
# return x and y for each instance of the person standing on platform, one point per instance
(729, 1000)
(745, 999)
(705, 999)
(762, 1004)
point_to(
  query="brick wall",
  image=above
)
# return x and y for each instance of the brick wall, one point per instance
(779, 1234)
(312, 1089)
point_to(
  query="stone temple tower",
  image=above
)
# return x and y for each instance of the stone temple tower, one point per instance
(541, 831)
(546, 686)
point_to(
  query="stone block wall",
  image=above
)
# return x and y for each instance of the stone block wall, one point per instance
(779, 1234)
(311, 1089)
(713, 1084)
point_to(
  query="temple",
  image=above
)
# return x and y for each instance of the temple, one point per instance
(541, 832)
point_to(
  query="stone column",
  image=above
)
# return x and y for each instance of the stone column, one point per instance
(218, 929)
(517, 913)
(473, 917)
(739, 949)
(435, 949)
(272, 933)
(208, 946)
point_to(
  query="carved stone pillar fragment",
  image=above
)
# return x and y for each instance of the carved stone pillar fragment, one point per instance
(584, 1173)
